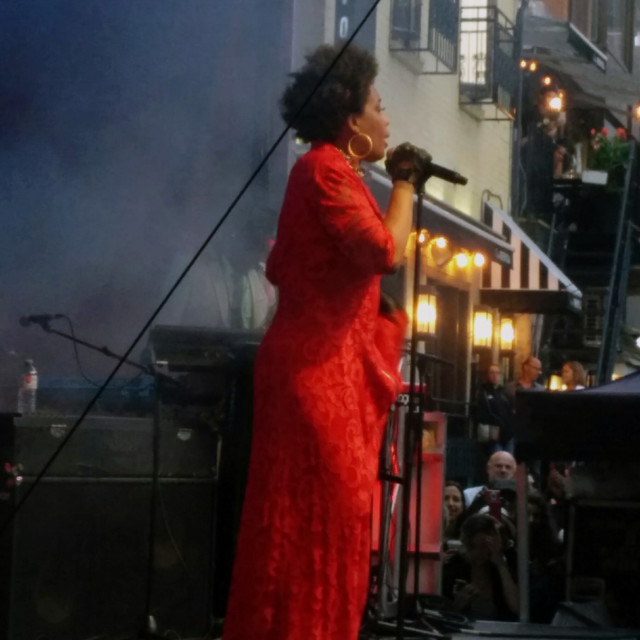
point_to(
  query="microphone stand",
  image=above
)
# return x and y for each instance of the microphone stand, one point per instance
(412, 444)
(103, 350)
(412, 438)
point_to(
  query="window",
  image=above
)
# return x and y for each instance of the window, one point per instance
(636, 38)
(443, 30)
(620, 42)
(474, 42)
(584, 14)
(431, 50)
(405, 21)
(558, 9)
(488, 74)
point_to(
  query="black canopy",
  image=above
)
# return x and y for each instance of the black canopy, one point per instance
(592, 424)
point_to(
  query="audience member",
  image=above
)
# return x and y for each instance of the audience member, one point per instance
(480, 580)
(573, 375)
(453, 499)
(494, 412)
(500, 466)
(529, 373)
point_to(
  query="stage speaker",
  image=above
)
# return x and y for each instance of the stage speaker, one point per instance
(182, 573)
(74, 560)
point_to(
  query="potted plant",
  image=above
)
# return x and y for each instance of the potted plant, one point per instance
(609, 155)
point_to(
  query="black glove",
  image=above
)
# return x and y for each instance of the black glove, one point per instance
(408, 162)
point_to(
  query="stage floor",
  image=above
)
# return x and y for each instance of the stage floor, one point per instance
(521, 631)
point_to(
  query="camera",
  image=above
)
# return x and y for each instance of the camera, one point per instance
(453, 545)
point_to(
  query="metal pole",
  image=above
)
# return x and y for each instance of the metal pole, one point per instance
(522, 487)
(413, 419)
(619, 279)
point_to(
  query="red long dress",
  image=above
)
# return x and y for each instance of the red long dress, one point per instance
(322, 390)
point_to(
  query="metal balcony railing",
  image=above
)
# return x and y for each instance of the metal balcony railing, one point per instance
(431, 50)
(488, 69)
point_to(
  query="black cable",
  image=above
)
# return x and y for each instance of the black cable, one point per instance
(76, 355)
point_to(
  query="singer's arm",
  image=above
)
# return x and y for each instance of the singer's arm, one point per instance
(399, 218)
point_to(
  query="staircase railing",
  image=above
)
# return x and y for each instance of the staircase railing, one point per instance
(615, 306)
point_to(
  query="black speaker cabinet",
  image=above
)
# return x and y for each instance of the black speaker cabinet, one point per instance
(74, 560)
(604, 543)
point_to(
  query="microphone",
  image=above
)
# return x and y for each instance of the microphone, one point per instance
(42, 319)
(443, 173)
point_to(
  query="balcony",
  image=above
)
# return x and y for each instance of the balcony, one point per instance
(433, 50)
(488, 70)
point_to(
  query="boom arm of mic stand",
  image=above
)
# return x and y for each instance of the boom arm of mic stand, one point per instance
(149, 369)
(103, 350)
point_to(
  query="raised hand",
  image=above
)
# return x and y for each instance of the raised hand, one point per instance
(408, 162)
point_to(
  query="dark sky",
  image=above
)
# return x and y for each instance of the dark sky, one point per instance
(126, 129)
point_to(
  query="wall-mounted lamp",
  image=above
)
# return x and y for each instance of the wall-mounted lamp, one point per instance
(554, 383)
(482, 327)
(507, 334)
(427, 312)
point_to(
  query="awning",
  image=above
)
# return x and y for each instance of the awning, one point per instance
(534, 284)
(548, 35)
(580, 66)
(440, 218)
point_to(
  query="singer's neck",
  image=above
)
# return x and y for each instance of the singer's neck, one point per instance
(354, 163)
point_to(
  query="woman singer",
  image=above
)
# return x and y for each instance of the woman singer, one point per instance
(322, 385)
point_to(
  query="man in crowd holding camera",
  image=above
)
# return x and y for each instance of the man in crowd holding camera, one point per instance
(500, 467)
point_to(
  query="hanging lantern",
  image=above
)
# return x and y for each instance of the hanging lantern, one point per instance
(482, 327)
(427, 313)
(507, 334)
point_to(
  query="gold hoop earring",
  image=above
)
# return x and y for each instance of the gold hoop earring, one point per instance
(357, 155)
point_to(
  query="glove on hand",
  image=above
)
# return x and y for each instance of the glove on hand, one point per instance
(408, 162)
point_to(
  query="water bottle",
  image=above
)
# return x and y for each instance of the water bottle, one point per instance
(28, 389)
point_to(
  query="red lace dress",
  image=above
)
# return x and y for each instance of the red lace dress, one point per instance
(322, 391)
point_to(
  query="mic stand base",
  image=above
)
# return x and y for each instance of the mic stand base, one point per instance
(151, 630)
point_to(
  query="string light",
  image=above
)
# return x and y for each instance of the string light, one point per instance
(443, 254)
(461, 259)
(533, 65)
(440, 242)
